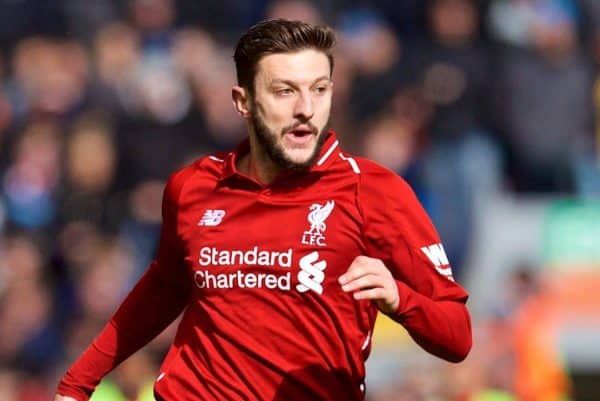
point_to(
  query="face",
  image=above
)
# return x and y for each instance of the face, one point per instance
(454, 20)
(290, 107)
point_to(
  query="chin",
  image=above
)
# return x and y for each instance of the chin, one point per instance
(300, 157)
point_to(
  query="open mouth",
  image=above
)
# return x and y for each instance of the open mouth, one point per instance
(300, 133)
(300, 137)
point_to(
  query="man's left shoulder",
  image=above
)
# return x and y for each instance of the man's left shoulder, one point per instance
(377, 176)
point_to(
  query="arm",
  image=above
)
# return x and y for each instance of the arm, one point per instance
(406, 273)
(156, 300)
(443, 328)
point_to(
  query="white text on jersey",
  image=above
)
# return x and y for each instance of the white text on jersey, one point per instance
(253, 257)
(240, 279)
(437, 255)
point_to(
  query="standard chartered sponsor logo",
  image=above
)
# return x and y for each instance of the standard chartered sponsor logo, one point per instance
(311, 274)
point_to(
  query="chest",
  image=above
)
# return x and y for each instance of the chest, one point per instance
(240, 243)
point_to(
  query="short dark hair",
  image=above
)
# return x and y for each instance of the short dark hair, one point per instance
(278, 36)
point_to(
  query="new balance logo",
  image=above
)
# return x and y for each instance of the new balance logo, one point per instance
(212, 217)
(436, 254)
(311, 274)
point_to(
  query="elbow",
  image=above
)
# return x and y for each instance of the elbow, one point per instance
(461, 349)
(453, 350)
(459, 354)
(463, 341)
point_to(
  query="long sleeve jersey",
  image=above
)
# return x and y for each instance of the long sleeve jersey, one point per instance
(255, 270)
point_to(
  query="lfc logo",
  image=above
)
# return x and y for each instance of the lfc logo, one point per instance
(316, 217)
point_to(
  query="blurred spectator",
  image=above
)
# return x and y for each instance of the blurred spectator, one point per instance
(462, 162)
(544, 100)
(376, 54)
(159, 76)
(540, 372)
(140, 230)
(206, 65)
(90, 158)
(30, 182)
(51, 76)
(74, 249)
(103, 282)
(222, 127)
(152, 18)
(29, 337)
(116, 53)
(391, 141)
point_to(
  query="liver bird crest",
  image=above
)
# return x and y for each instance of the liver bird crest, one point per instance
(317, 216)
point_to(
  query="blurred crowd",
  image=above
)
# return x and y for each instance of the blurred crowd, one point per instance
(101, 100)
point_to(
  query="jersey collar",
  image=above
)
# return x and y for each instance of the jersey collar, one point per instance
(326, 156)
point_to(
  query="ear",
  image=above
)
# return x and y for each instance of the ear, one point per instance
(240, 99)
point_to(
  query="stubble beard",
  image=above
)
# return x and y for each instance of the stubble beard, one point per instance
(268, 141)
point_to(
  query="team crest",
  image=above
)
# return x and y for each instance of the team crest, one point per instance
(316, 217)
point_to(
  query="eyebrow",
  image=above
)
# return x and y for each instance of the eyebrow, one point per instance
(293, 84)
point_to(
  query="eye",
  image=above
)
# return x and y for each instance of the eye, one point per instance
(284, 91)
(320, 89)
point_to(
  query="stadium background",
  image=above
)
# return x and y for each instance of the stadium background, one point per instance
(488, 108)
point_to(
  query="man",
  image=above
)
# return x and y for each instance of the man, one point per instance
(281, 252)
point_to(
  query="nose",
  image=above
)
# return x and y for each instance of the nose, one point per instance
(304, 108)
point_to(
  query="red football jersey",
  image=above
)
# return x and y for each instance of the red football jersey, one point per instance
(256, 268)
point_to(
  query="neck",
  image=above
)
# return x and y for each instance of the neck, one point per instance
(257, 164)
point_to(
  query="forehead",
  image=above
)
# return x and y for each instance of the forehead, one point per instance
(303, 65)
